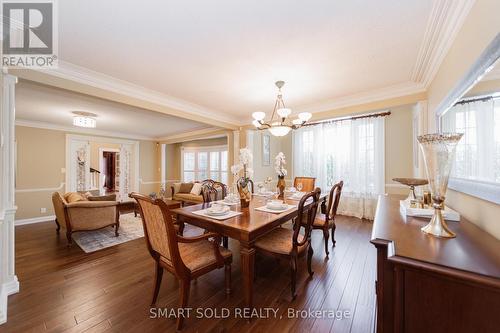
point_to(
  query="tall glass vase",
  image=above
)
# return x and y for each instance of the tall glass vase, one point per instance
(439, 153)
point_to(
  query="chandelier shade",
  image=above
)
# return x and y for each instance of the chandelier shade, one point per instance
(280, 125)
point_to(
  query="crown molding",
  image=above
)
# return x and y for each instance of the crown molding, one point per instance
(205, 133)
(444, 22)
(77, 74)
(80, 130)
(376, 95)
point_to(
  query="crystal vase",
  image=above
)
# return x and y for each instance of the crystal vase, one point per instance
(439, 153)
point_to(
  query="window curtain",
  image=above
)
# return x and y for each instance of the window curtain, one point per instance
(348, 150)
(478, 152)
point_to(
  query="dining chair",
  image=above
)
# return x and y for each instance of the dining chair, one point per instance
(328, 220)
(185, 258)
(307, 183)
(213, 191)
(290, 243)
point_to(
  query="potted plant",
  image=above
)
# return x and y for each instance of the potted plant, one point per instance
(245, 164)
(279, 167)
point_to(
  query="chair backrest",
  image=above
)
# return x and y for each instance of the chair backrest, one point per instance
(308, 206)
(214, 191)
(307, 183)
(159, 231)
(333, 200)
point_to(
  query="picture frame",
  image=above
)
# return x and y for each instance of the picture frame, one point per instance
(266, 150)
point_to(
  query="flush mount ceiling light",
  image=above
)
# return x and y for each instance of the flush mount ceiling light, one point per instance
(280, 126)
(84, 119)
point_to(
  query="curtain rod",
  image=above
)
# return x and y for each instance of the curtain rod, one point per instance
(472, 100)
(333, 120)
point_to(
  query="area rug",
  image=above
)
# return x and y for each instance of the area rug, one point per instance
(91, 241)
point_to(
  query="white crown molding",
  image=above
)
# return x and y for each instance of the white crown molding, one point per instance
(80, 130)
(444, 22)
(105, 82)
(394, 91)
(204, 133)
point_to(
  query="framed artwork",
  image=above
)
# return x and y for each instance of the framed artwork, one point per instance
(266, 150)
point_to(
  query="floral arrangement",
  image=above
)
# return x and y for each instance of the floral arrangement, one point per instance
(279, 165)
(246, 160)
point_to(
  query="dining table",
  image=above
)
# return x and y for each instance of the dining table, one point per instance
(245, 228)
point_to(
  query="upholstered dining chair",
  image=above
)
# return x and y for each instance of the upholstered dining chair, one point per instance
(213, 191)
(328, 220)
(290, 243)
(307, 183)
(186, 258)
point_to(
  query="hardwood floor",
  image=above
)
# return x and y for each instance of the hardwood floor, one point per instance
(67, 290)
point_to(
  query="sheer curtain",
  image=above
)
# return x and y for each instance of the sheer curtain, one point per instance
(349, 150)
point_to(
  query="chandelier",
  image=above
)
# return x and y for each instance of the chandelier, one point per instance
(282, 125)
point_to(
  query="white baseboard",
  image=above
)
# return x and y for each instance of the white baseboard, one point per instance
(35, 220)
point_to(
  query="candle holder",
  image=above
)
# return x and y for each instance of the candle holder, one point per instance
(439, 152)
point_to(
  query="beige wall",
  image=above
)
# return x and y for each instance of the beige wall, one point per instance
(479, 29)
(41, 156)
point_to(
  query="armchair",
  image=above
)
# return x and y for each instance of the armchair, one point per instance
(84, 215)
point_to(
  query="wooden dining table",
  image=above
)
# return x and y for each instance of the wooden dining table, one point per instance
(245, 228)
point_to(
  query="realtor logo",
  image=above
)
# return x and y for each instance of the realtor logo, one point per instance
(29, 34)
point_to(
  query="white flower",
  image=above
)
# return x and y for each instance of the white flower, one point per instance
(246, 157)
(279, 162)
(235, 169)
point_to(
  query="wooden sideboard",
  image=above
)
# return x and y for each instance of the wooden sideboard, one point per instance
(428, 284)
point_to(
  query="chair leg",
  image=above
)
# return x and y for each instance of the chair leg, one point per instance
(293, 274)
(158, 277)
(326, 236)
(225, 241)
(117, 226)
(333, 233)
(184, 297)
(310, 253)
(58, 226)
(227, 277)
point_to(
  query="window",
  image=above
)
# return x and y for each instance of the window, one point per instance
(478, 152)
(348, 150)
(202, 163)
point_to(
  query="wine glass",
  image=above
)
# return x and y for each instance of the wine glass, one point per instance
(299, 187)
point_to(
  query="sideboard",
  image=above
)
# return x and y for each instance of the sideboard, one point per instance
(428, 284)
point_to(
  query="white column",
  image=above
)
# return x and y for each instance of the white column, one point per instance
(8, 280)
(420, 126)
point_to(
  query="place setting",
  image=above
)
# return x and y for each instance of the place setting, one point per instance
(218, 211)
(275, 206)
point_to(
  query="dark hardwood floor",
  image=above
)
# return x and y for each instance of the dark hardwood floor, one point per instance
(67, 290)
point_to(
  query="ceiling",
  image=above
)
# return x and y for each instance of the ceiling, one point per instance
(50, 107)
(218, 61)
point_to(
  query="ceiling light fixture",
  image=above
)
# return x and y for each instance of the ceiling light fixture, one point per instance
(280, 126)
(84, 119)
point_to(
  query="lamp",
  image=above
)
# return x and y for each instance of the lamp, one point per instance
(84, 119)
(280, 127)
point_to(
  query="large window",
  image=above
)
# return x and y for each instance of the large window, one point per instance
(205, 162)
(349, 150)
(478, 152)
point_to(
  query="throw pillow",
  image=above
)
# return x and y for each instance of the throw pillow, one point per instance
(110, 197)
(186, 187)
(74, 197)
(196, 190)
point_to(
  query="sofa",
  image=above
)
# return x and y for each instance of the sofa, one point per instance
(188, 193)
(76, 212)
(198, 192)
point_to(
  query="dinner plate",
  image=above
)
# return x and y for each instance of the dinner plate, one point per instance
(282, 207)
(217, 212)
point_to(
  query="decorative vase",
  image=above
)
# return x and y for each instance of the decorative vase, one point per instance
(439, 153)
(245, 195)
(281, 187)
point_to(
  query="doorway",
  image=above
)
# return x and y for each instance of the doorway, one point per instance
(109, 171)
